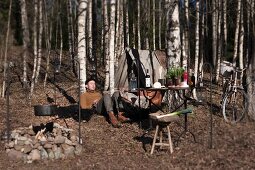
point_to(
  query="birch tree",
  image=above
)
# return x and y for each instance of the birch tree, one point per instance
(251, 66)
(153, 25)
(159, 24)
(126, 23)
(6, 49)
(238, 13)
(214, 32)
(196, 46)
(81, 42)
(173, 35)
(219, 40)
(25, 39)
(106, 44)
(35, 46)
(111, 44)
(138, 25)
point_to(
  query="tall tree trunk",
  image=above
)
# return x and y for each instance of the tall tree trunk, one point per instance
(225, 28)
(106, 44)
(119, 33)
(196, 46)
(147, 24)
(26, 41)
(90, 40)
(251, 68)
(153, 25)
(82, 43)
(48, 38)
(138, 25)
(238, 13)
(127, 23)
(173, 41)
(70, 28)
(6, 49)
(186, 36)
(111, 47)
(39, 42)
(241, 42)
(35, 38)
(159, 24)
(219, 40)
(214, 31)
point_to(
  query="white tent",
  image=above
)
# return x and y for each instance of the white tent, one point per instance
(139, 61)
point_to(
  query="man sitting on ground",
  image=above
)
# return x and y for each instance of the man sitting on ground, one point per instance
(94, 100)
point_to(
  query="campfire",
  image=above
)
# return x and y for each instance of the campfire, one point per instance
(50, 141)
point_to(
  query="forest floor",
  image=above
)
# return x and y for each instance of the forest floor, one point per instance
(128, 147)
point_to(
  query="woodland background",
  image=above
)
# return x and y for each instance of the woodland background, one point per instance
(94, 33)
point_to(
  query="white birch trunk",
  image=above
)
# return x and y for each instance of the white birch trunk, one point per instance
(39, 42)
(48, 36)
(6, 49)
(241, 42)
(237, 32)
(196, 47)
(82, 43)
(186, 35)
(25, 31)
(214, 32)
(35, 38)
(159, 24)
(219, 49)
(127, 23)
(106, 45)
(111, 45)
(153, 25)
(251, 68)
(225, 28)
(138, 25)
(90, 41)
(70, 29)
(173, 41)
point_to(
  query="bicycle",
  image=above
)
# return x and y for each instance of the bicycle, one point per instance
(234, 98)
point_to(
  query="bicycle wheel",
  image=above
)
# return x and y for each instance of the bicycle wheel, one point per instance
(234, 106)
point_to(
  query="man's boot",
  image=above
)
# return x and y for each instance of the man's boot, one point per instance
(122, 118)
(115, 123)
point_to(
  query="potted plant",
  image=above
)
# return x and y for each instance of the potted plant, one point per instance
(175, 74)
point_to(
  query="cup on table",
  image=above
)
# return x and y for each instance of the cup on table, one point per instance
(162, 82)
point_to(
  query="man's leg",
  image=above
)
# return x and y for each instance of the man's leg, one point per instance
(108, 104)
(116, 98)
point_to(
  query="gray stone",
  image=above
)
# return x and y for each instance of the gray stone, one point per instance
(51, 154)
(48, 146)
(67, 149)
(36, 145)
(35, 154)
(18, 147)
(20, 142)
(15, 155)
(30, 132)
(9, 145)
(27, 148)
(59, 139)
(69, 142)
(58, 152)
(44, 154)
(78, 149)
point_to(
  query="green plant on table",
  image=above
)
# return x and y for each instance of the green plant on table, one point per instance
(174, 72)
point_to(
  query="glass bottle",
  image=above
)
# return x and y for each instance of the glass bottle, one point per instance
(147, 79)
(133, 81)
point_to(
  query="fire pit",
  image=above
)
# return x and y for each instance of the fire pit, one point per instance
(35, 143)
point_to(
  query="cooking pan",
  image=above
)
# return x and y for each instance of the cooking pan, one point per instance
(45, 110)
